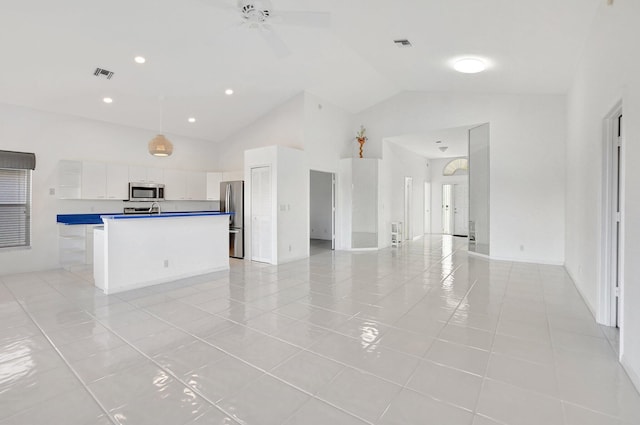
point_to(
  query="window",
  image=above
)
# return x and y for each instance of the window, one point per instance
(458, 166)
(15, 199)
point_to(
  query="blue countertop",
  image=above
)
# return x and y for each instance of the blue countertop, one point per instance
(71, 219)
(162, 215)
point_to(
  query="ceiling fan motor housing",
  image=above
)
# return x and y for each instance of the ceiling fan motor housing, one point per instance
(255, 11)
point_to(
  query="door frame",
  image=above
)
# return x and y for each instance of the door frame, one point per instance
(427, 208)
(454, 208)
(273, 242)
(612, 236)
(333, 204)
(408, 207)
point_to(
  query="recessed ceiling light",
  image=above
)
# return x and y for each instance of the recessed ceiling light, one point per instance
(139, 59)
(470, 65)
(191, 120)
(228, 92)
(107, 100)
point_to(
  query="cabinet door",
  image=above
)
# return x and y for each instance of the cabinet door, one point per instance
(137, 174)
(94, 180)
(146, 174)
(213, 186)
(175, 185)
(117, 181)
(69, 179)
(155, 175)
(196, 185)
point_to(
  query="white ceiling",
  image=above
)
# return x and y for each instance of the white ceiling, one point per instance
(454, 139)
(195, 50)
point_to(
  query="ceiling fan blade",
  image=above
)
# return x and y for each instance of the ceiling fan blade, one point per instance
(305, 19)
(221, 4)
(275, 43)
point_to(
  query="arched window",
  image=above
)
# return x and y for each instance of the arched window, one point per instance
(459, 166)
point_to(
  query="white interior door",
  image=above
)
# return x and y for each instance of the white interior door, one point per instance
(261, 215)
(427, 207)
(408, 206)
(447, 209)
(461, 210)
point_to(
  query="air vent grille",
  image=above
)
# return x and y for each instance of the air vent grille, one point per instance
(100, 72)
(402, 42)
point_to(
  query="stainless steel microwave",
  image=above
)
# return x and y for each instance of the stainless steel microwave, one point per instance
(146, 192)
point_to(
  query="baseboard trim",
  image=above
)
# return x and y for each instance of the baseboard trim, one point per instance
(635, 379)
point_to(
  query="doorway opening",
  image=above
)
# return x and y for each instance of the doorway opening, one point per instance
(612, 287)
(322, 212)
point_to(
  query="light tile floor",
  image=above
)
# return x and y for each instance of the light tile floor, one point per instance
(422, 334)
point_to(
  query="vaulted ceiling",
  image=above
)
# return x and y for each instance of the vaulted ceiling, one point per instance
(195, 49)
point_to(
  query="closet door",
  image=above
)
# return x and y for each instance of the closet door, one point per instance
(261, 215)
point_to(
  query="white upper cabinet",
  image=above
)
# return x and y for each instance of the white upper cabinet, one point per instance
(94, 180)
(155, 175)
(69, 179)
(213, 186)
(101, 180)
(146, 174)
(196, 186)
(180, 185)
(117, 181)
(175, 185)
(104, 181)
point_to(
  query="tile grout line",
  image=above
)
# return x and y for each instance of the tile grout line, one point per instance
(66, 362)
(493, 340)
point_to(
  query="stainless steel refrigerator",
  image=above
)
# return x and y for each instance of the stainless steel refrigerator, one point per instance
(232, 200)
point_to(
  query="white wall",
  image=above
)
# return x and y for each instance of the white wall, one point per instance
(323, 131)
(607, 74)
(284, 125)
(527, 160)
(437, 180)
(53, 137)
(290, 201)
(398, 163)
(293, 204)
(321, 203)
(328, 134)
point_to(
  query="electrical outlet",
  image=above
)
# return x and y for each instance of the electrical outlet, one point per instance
(289, 248)
(166, 264)
(52, 191)
(521, 247)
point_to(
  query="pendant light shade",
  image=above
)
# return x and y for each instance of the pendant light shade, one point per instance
(160, 146)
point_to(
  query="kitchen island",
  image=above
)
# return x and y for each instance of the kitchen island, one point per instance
(135, 251)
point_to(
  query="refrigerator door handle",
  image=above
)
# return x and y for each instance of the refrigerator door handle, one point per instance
(227, 198)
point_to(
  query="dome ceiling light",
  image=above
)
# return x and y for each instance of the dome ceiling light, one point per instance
(470, 65)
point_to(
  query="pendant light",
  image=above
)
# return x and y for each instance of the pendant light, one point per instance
(160, 145)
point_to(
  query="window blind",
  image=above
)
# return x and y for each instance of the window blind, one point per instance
(15, 208)
(17, 160)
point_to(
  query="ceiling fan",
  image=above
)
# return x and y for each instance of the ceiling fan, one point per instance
(259, 15)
